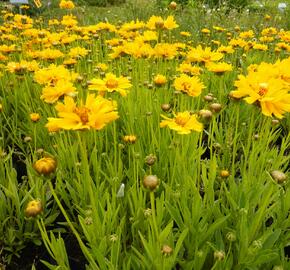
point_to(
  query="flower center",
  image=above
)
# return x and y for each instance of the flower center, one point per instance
(186, 86)
(181, 121)
(112, 83)
(83, 113)
(263, 89)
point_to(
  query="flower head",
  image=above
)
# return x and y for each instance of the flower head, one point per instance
(111, 83)
(192, 86)
(183, 123)
(95, 113)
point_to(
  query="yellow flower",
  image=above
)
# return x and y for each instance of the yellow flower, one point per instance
(160, 80)
(33, 208)
(52, 74)
(51, 94)
(219, 68)
(270, 93)
(102, 66)
(260, 47)
(111, 83)
(189, 69)
(96, 113)
(130, 138)
(156, 22)
(183, 123)
(165, 50)
(192, 86)
(203, 55)
(185, 34)
(225, 49)
(205, 31)
(45, 166)
(34, 117)
(78, 52)
(66, 4)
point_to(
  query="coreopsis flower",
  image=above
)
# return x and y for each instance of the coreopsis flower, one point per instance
(102, 66)
(78, 52)
(33, 208)
(260, 47)
(52, 74)
(219, 68)
(111, 83)
(51, 93)
(66, 4)
(246, 34)
(183, 123)
(69, 21)
(50, 54)
(205, 31)
(69, 62)
(160, 80)
(205, 55)
(192, 86)
(165, 50)
(189, 69)
(130, 138)
(270, 93)
(34, 117)
(45, 165)
(225, 49)
(7, 49)
(22, 66)
(156, 22)
(185, 34)
(95, 113)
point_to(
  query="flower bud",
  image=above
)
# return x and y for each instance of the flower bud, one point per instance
(166, 250)
(219, 255)
(172, 5)
(150, 182)
(45, 165)
(150, 160)
(208, 98)
(33, 208)
(34, 117)
(205, 114)
(160, 80)
(224, 173)
(165, 107)
(279, 176)
(215, 107)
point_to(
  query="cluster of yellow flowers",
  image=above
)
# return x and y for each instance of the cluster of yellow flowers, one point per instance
(53, 53)
(268, 85)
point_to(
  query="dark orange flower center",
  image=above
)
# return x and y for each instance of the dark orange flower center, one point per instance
(112, 83)
(83, 113)
(263, 89)
(186, 86)
(181, 121)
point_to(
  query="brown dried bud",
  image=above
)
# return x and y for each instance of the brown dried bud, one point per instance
(208, 98)
(279, 176)
(205, 114)
(172, 5)
(215, 107)
(165, 107)
(150, 182)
